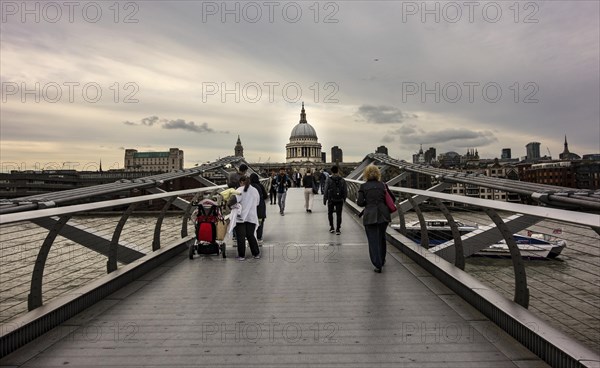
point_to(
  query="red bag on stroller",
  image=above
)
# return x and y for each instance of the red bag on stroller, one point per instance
(208, 214)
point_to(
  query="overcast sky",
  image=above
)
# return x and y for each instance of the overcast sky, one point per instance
(82, 82)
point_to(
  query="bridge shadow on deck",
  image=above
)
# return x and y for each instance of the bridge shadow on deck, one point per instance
(312, 300)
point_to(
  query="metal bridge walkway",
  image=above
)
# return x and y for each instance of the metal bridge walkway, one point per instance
(313, 300)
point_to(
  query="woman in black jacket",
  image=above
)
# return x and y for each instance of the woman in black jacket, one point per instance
(376, 216)
(261, 209)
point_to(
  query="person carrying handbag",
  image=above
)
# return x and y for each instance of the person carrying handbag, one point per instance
(376, 215)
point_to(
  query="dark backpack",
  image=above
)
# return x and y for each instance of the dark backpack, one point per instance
(335, 192)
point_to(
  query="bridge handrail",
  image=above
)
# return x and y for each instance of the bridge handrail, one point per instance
(573, 217)
(58, 211)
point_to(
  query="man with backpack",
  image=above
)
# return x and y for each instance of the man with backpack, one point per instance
(336, 192)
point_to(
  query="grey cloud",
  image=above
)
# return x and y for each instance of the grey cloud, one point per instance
(383, 114)
(175, 124)
(455, 137)
(191, 126)
(151, 120)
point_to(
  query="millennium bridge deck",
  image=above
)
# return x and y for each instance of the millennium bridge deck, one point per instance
(312, 300)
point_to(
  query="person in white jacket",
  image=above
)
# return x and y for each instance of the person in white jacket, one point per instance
(246, 218)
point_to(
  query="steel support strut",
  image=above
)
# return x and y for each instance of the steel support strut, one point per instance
(111, 263)
(521, 290)
(159, 221)
(34, 298)
(424, 234)
(459, 255)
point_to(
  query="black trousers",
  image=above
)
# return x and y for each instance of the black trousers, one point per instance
(259, 230)
(243, 231)
(377, 243)
(273, 197)
(337, 208)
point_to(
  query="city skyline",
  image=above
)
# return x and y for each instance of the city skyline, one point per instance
(389, 73)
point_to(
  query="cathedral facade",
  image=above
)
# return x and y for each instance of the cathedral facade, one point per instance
(304, 144)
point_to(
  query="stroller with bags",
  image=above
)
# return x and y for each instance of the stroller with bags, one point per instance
(209, 225)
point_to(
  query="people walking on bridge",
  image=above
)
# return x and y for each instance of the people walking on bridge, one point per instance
(273, 188)
(336, 192)
(376, 215)
(261, 209)
(282, 183)
(247, 218)
(297, 179)
(323, 180)
(309, 184)
(233, 181)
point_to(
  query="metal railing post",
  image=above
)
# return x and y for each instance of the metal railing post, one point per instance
(521, 290)
(459, 255)
(34, 299)
(187, 214)
(159, 221)
(111, 263)
(424, 234)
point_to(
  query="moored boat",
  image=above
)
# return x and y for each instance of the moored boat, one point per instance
(533, 245)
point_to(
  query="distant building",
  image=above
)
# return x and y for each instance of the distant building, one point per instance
(336, 154)
(471, 158)
(591, 157)
(419, 157)
(494, 169)
(323, 156)
(238, 149)
(533, 151)
(426, 157)
(430, 155)
(561, 173)
(382, 149)
(587, 174)
(566, 155)
(154, 161)
(506, 153)
(449, 159)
